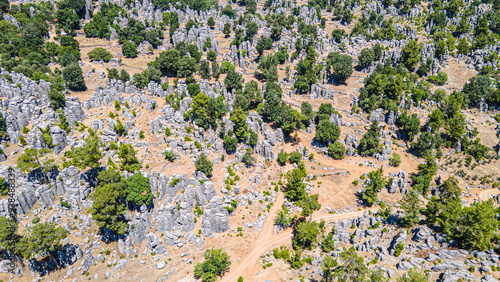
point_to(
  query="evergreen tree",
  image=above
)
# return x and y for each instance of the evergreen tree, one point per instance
(306, 234)
(410, 55)
(375, 185)
(56, 99)
(215, 265)
(129, 161)
(88, 155)
(295, 186)
(204, 69)
(369, 144)
(238, 116)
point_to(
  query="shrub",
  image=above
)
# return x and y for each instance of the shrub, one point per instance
(35, 220)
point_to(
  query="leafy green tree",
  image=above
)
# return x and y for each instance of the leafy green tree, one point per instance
(168, 60)
(154, 74)
(306, 234)
(477, 89)
(227, 29)
(100, 53)
(238, 116)
(204, 165)
(295, 157)
(306, 112)
(342, 67)
(232, 80)
(211, 22)
(88, 155)
(328, 243)
(4, 187)
(138, 190)
(336, 150)
(287, 121)
(324, 112)
(43, 238)
(411, 206)
(426, 171)
(124, 76)
(113, 74)
(327, 131)
(32, 36)
(352, 269)
(204, 69)
(413, 276)
(295, 186)
(215, 70)
(309, 204)
(74, 77)
(129, 49)
(263, 44)
(425, 143)
(230, 142)
(369, 144)
(215, 265)
(338, 35)
(127, 155)
(456, 127)
(410, 55)
(395, 160)
(251, 29)
(108, 209)
(186, 66)
(410, 125)
(282, 157)
(56, 98)
(33, 159)
(9, 238)
(436, 120)
(376, 183)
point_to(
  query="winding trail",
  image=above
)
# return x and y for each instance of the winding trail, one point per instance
(267, 240)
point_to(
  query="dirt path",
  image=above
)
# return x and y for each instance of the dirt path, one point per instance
(485, 195)
(267, 240)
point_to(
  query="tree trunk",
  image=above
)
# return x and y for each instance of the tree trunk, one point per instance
(55, 260)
